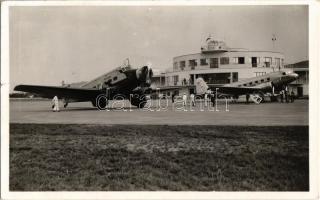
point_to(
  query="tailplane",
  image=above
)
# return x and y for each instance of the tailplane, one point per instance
(201, 86)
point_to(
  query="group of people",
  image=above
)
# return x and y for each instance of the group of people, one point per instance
(287, 96)
(208, 98)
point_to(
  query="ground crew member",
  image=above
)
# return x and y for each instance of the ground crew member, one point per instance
(205, 99)
(184, 100)
(286, 96)
(55, 104)
(281, 96)
(213, 99)
(172, 98)
(247, 98)
(286, 93)
(292, 96)
(192, 100)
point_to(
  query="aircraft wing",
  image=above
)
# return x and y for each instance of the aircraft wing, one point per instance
(164, 89)
(222, 89)
(240, 90)
(61, 92)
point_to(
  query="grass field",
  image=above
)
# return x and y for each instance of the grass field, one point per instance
(51, 157)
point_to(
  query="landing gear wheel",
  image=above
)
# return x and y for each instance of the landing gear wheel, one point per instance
(100, 102)
(138, 100)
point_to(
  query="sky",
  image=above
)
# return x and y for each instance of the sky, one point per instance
(78, 43)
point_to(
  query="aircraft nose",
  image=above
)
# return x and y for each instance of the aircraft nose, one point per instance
(294, 75)
(144, 75)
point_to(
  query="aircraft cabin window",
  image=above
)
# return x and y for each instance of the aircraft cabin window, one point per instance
(115, 78)
(283, 73)
(262, 80)
(250, 83)
(244, 84)
(256, 81)
(268, 79)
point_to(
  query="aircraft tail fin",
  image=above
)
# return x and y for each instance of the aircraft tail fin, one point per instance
(201, 86)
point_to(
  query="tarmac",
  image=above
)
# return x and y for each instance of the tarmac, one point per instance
(264, 114)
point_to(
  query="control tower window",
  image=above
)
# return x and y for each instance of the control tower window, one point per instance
(235, 60)
(214, 62)
(268, 61)
(234, 76)
(182, 65)
(277, 60)
(175, 79)
(175, 66)
(192, 63)
(224, 60)
(203, 62)
(254, 61)
(241, 60)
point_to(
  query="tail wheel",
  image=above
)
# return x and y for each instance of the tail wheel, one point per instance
(261, 94)
(138, 100)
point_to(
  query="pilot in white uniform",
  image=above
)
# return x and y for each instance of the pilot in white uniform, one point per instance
(55, 104)
(206, 99)
(184, 99)
(192, 100)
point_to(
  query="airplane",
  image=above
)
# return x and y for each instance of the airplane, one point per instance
(124, 82)
(256, 87)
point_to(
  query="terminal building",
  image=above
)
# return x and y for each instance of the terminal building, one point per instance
(217, 64)
(300, 86)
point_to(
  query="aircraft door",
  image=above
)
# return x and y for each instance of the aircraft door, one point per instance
(300, 91)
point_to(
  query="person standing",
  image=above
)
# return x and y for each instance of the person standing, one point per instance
(184, 99)
(286, 92)
(192, 100)
(55, 104)
(213, 99)
(247, 98)
(286, 96)
(281, 96)
(292, 96)
(206, 99)
(172, 97)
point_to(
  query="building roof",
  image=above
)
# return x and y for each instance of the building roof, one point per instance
(301, 64)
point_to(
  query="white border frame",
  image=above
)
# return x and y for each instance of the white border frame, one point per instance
(313, 108)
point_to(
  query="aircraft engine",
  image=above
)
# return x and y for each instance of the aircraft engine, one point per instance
(144, 75)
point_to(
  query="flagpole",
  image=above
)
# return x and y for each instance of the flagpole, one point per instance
(273, 41)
